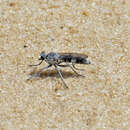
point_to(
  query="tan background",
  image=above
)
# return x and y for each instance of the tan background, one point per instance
(98, 28)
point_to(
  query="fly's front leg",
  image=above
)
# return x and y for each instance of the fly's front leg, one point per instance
(38, 73)
(58, 70)
(36, 64)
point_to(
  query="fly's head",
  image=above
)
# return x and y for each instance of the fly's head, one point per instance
(42, 56)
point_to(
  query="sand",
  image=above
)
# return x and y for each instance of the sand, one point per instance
(97, 28)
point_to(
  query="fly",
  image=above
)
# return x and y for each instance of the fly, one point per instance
(56, 60)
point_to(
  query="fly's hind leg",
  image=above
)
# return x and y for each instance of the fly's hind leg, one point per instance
(76, 67)
(67, 65)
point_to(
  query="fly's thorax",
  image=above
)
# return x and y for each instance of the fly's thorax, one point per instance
(52, 58)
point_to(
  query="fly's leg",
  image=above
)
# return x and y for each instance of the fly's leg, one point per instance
(36, 64)
(58, 70)
(76, 67)
(72, 69)
(38, 73)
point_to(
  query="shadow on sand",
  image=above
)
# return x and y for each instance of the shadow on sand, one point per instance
(54, 73)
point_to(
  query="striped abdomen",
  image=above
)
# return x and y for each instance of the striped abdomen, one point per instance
(74, 58)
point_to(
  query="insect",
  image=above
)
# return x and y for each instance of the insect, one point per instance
(61, 60)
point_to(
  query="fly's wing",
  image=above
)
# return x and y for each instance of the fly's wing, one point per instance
(73, 55)
(73, 58)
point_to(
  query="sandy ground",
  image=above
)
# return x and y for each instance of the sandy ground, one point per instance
(98, 28)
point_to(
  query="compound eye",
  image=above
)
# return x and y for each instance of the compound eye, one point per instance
(41, 58)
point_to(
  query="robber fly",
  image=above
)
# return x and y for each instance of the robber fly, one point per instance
(56, 60)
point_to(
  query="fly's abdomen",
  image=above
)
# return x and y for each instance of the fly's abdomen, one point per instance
(66, 58)
(74, 59)
(78, 60)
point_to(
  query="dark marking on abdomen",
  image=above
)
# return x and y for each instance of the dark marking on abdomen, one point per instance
(66, 58)
(79, 60)
(73, 59)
